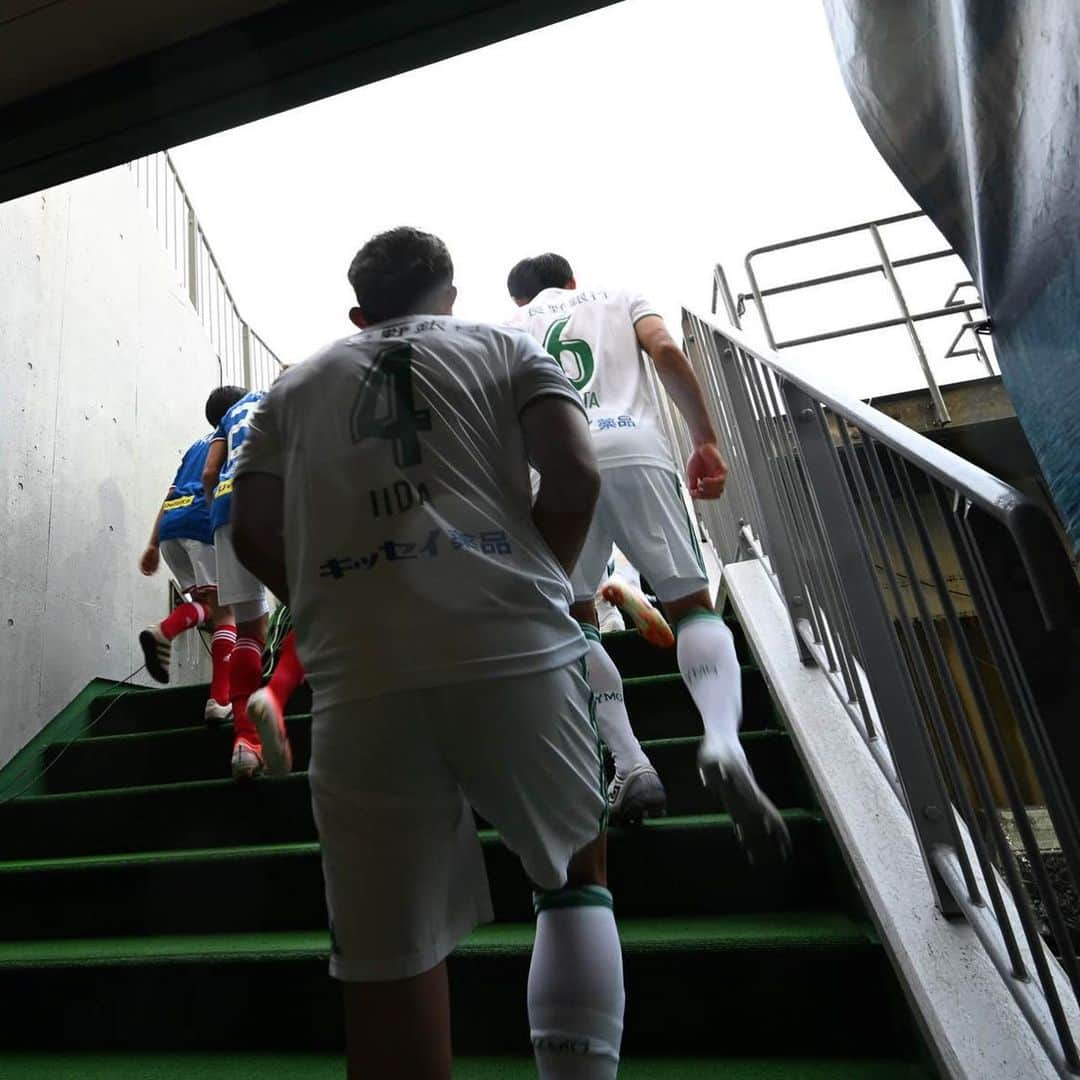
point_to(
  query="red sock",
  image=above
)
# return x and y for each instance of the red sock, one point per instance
(245, 676)
(220, 650)
(182, 618)
(288, 674)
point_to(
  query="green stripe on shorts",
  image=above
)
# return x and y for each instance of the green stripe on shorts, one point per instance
(591, 632)
(582, 896)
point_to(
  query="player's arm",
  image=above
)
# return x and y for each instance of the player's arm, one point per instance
(706, 470)
(560, 448)
(258, 523)
(215, 459)
(151, 557)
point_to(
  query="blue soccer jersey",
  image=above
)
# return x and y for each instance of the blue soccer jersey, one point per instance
(186, 515)
(232, 431)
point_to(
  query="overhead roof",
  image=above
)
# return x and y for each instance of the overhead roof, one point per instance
(87, 84)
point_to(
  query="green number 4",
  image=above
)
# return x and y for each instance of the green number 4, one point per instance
(385, 409)
(581, 367)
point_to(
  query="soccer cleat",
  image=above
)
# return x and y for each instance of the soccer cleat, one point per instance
(247, 762)
(215, 714)
(157, 651)
(636, 796)
(650, 623)
(758, 824)
(264, 710)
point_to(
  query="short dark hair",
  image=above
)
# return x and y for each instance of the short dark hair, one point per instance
(532, 276)
(395, 270)
(221, 401)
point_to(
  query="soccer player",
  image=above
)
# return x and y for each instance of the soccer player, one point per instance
(183, 536)
(384, 492)
(598, 336)
(236, 585)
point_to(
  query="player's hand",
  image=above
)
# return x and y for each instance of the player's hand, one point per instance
(706, 472)
(150, 560)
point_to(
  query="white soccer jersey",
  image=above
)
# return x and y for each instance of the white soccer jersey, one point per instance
(591, 333)
(411, 553)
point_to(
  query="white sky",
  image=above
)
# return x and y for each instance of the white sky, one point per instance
(645, 142)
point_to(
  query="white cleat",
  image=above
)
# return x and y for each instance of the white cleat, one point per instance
(609, 617)
(758, 824)
(247, 762)
(265, 713)
(157, 651)
(651, 625)
(638, 795)
(215, 714)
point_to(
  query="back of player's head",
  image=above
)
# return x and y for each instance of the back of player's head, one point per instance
(532, 276)
(399, 272)
(221, 401)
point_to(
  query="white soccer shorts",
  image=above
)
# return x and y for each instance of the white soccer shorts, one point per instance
(191, 561)
(238, 587)
(641, 509)
(392, 782)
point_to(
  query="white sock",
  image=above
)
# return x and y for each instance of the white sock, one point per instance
(576, 996)
(612, 719)
(710, 669)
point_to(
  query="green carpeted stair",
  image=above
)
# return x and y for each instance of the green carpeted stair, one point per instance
(161, 921)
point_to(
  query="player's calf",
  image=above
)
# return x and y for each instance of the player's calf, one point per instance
(575, 992)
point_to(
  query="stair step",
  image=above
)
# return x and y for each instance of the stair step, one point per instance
(659, 706)
(695, 982)
(683, 865)
(226, 1066)
(191, 754)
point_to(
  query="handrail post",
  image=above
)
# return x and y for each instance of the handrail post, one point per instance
(761, 470)
(929, 803)
(247, 356)
(192, 256)
(941, 413)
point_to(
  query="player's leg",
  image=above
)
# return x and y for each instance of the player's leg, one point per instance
(399, 1028)
(528, 760)
(636, 791)
(156, 640)
(661, 539)
(266, 707)
(239, 588)
(218, 708)
(405, 879)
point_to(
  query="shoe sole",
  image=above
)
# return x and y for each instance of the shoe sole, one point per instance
(759, 826)
(212, 720)
(277, 754)
(648, 622)
(245, 775)
(150, 657)
(649, 803)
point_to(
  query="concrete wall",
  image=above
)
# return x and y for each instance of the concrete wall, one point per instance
(104, 370)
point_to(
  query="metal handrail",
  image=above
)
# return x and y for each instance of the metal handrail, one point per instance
(887, 267)
(244, 358)
(905, 569)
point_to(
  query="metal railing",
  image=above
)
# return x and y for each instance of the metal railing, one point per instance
(887, 267)
(930, 594)
(244, 359)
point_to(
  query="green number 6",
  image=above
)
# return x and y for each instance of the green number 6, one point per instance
(582, 366)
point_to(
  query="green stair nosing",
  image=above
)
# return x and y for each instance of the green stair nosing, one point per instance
(311, 847)
(226, 783)
(233, 1065)
(808, 931)
(24, 770)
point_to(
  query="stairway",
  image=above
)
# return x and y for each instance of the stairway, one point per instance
(160, 921)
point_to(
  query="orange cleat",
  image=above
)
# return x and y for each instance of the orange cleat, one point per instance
(650, 623)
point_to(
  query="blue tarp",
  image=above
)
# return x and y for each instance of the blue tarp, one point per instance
(975, 105)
